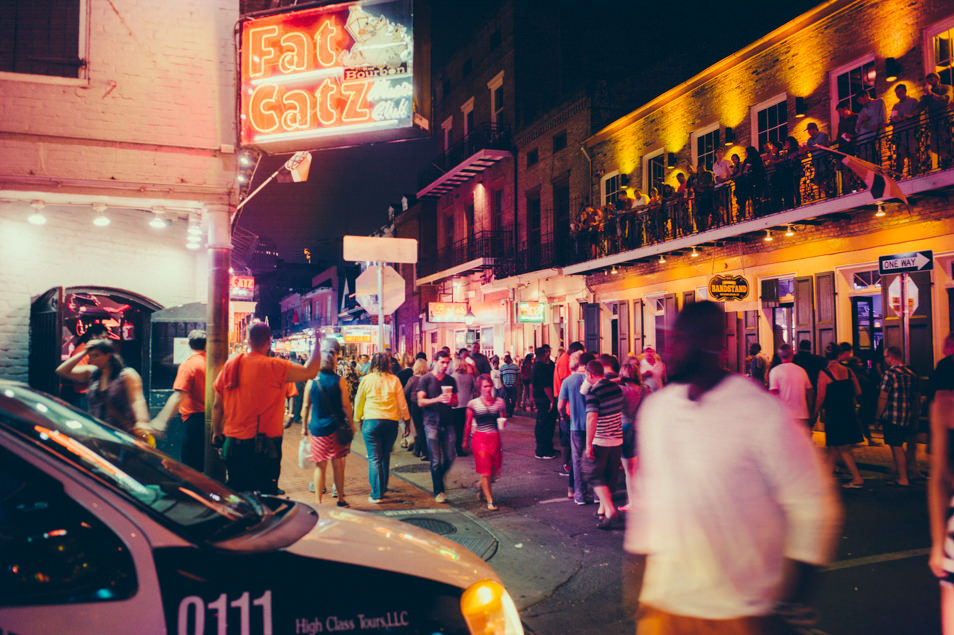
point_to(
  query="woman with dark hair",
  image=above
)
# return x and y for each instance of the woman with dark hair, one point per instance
(788, 175)
(750, 184)
(327, 407)
(837, 389)
(630, 381)
(420, 368)
(115, 391)
(485, 413)
(378, 407)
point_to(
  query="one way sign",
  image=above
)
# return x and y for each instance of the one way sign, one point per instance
(906, 263)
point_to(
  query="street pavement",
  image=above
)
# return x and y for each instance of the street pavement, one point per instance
(566, 576)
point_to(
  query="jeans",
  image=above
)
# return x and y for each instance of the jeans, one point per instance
(510, 398)
(578, 446)
(441, 442)
(543, 430)
(565, 442)
(379, 436)
(460, 420)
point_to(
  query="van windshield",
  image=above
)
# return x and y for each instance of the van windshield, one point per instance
(188, 502)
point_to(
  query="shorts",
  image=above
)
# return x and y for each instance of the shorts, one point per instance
(895, 436)
(630, 448)
(604, 467)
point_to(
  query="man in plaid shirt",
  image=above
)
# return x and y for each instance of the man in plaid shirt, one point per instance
(899, 411)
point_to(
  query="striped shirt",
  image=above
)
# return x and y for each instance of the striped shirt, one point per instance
(509, 374)
(485, 417)
(605, 398)
(899, 382)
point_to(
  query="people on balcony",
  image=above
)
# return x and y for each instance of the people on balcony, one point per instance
(936, 101)
(904, 120)
(870, 121)
(750, 184)
(822, 173)
(721, 167)
(702, 183)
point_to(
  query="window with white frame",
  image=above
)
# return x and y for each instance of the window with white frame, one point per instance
(939, 50)
(496, 97)
(770, 121)
(468, 111)
(654, 169)
(704, 144)
(610, 187)
(848, 82)
(45, 38)
(448, 129)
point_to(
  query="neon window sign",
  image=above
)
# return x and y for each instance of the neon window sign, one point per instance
(325, 72)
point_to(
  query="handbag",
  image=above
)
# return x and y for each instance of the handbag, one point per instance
(344, 433)
(304, 451)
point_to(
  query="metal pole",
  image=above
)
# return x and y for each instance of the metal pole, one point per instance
(217, 323)
(905, 321)
(380, 307)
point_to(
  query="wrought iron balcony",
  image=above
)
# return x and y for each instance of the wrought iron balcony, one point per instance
(483, 250)
(810, 186)
(478, 150)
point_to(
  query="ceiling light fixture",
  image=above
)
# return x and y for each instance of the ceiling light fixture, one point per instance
(157, 220)
(469, 317)
(101, 220)
(768, 236)
(37, 217)
(789, 232)
(662, 259)
(194, 228)
(614, 271)
(880, 213)
(694, 254)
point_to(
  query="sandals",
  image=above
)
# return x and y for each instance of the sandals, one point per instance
(491, 507)
(608, 522)
(342, 503)
(850, 485)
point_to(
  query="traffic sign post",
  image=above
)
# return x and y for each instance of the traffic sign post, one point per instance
(903, 264)
(380, 251)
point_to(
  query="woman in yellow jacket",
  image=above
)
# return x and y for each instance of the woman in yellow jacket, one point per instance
(379, 404)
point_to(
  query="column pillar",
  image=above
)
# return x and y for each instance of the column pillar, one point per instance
(218, 220)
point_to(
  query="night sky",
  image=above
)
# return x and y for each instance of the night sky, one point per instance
(349, 190)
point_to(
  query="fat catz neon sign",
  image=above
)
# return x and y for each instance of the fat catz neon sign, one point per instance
(326, 71)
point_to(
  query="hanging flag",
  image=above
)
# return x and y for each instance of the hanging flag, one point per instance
(874, 176)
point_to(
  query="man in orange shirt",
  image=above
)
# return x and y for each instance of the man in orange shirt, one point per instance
(249, 408)
(188, 395)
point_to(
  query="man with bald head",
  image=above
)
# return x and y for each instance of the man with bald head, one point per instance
(733, 510)
(249, 410)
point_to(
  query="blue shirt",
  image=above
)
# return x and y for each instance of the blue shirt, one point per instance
(570, 392)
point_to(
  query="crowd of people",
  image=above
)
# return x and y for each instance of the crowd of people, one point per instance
(778, 176)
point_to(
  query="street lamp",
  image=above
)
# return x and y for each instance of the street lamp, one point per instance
(469, 317)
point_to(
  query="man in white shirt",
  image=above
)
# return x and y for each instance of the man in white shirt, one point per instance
(731, 533)
(652, 369)
(790, 382)
(721, 168)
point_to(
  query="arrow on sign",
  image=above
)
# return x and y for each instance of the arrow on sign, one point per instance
(903, 263)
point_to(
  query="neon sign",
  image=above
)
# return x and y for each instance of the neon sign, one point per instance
(325, 72)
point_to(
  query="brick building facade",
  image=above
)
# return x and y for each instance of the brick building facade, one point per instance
(139, 126)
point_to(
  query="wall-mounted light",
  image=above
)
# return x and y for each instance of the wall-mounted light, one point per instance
(157, 221)
(729, 135)
(694, 254)
(100, 220)
(892, 69)
(37, 217)
(768, 236)
(880, 213)
(789, 232)
(671, 158)
(801, 107)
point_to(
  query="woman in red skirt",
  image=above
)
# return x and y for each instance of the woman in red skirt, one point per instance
(485, 415)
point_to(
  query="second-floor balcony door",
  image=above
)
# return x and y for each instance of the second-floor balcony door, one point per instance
(561, 219)
(469, 227)
(533, 240)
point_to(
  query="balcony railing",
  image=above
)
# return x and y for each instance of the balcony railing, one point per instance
(905, 151)
(494, 245)
(485, 136)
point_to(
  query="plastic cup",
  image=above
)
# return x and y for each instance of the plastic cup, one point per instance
(501, 423)
(446, 392)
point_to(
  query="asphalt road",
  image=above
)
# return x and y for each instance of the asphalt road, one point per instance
(566, 576)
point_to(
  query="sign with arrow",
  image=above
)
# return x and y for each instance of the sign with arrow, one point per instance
(906, 263)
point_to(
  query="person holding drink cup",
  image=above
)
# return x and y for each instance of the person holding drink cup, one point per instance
(486, 416)
(436, 396)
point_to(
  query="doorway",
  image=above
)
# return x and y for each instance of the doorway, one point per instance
(783, 326)
(867, 327)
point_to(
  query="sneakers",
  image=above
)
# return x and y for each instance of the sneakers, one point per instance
(565, 470)
(440, 498)
(372, 499)
(545, 457)
(579, 500)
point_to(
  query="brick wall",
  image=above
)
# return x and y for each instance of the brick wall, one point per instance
(795, 62)
(70, 251)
